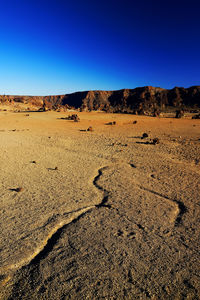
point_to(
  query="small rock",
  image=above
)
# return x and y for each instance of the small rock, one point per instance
(145, 135)
(155, 141)
(134, 122)
(156, 113)
(179, 114)
(90, 128)
(73, 117)
(196, 116)
(19, 189)
(111, 123)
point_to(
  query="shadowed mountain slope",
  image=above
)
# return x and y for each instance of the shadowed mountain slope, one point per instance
(126, 100)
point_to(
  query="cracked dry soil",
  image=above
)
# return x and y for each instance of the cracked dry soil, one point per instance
(138, 236)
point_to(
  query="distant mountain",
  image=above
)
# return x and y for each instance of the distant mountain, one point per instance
(127, 100)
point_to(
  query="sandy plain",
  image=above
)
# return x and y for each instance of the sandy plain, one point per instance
(101, 214)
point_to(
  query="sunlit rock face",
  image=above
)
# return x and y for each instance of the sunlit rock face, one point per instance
(126, 100)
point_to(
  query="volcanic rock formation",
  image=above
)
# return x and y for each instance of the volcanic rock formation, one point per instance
(136, 100)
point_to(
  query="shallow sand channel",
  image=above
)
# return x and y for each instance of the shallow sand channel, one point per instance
(101, 214)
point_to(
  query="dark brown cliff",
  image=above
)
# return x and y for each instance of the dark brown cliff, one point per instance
(127, 100)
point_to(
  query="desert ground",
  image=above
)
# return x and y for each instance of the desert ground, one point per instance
(100, 214)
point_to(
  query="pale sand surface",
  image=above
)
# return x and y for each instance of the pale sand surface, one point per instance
(117, 219)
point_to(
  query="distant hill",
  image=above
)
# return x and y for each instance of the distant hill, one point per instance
(126, 100)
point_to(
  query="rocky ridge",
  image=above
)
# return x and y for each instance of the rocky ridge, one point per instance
(135, 100)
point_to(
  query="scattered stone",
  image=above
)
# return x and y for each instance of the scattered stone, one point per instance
(134, 122)
(73, 117)
(179, 114)
(111, 123)
(52, 169)
(132, 165)
(196, 117)
(156, 112)
(19, 189)
(120, 144)
(76, 118)
(145, 135)
(155, 141)
(33, 162)
(90, 128)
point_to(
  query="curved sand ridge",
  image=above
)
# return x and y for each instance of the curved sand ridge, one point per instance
(156, 211)
(167, 210)
(117, 218)
(50, 197)
(133, 221)
(165, 214)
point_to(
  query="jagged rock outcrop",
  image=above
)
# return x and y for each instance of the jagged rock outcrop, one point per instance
(136, 100)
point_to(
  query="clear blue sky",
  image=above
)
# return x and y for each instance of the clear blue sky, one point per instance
(56, 47)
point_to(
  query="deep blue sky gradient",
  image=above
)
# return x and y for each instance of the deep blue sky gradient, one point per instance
(56, 47)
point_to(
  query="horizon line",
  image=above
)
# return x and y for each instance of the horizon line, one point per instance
(99, 90)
